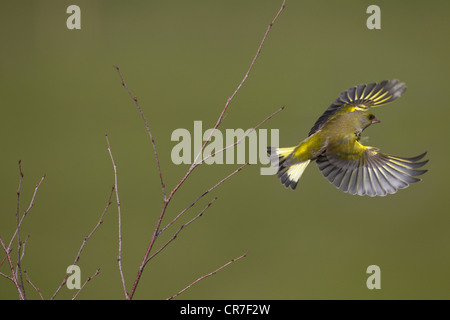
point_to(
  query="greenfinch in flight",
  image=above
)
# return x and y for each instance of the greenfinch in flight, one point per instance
(333, 143)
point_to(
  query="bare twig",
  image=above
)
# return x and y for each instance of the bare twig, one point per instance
(6, 276)
(208, 275)
(226, 178)
(194, 164)
(13, 277)
(18, 191)
(84, 284)
(243, 137)
(21, 249)
(219, 120)
(119, 257)
(201, 196)
(181, 228)
(17, 274)
(146, 127)
(96, 226)
(19, 242)
(34, 287)
(100, 221)
(26, 211)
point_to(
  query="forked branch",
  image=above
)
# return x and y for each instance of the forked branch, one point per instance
(198, 160)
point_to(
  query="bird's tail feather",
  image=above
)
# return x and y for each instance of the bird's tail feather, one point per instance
(289, 172)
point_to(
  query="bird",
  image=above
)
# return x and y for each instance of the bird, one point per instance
(334, 144)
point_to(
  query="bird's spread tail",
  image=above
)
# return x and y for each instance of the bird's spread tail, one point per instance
(289, 171)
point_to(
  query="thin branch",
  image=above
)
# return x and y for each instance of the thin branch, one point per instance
(19, 242)
(208, 275)
(84, 284)
(13, 273)
(96, 226)
(26, 211)
(18, 197)
(219, 120)
(206, 192)
(6, 276)
(181, 228)
(100, 221)
(21, 249)
(195, 164)
(17, 275)
(146, 127)
(18, 191)
(119, 257)
(201, 196)
(243, 137)
(34, 287)
(144, 262)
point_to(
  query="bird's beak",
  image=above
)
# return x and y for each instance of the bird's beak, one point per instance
(375, 120)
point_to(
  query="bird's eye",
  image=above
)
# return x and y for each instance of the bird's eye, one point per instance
(371, 117)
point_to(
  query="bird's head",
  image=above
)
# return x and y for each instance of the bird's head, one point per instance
(366, 119)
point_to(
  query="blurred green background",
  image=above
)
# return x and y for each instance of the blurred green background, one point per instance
(183, 59)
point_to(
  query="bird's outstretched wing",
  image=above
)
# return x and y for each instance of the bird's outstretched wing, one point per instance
(365, 171)
(363, 97)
